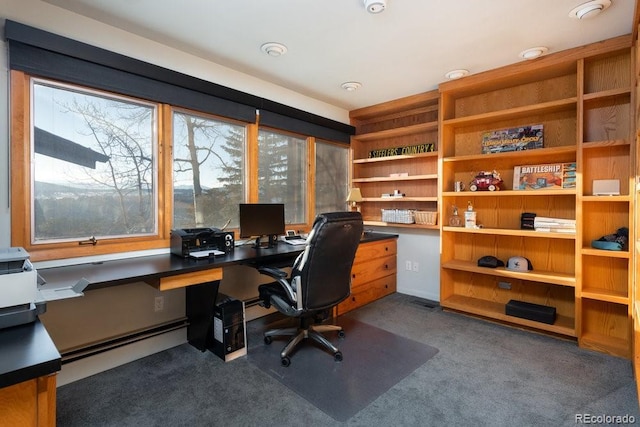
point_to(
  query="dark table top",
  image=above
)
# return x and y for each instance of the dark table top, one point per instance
(26, 352)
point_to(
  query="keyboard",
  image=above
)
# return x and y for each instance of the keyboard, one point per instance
(206, 253)
(300, 241)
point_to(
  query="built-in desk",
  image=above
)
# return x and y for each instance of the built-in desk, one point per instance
(200, 278)
(28, 364)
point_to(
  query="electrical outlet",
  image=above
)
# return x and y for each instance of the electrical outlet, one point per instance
(504, 285)
(416, 266)
(158, 304)
(407, 265)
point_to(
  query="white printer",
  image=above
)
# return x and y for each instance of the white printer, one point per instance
(19, 298)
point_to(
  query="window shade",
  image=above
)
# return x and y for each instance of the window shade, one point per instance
(49, 55)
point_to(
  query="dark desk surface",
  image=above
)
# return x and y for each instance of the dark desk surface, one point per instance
(151, 268)
(27, 352)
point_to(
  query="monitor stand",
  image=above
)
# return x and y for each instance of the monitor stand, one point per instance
(272, 241)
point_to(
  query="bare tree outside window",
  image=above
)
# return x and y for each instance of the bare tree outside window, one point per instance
(94, 169)
(332, 176)
(282, 173)
(208, 167)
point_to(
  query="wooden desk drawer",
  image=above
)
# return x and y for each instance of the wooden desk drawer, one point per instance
(373, 291)
(188, 279)
(373, 269)
(370, 250)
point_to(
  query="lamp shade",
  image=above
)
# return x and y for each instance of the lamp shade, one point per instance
(354, 195)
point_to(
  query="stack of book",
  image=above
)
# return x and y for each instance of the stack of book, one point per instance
(557, 225)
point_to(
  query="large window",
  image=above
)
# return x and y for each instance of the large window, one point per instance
(332, 177)
(208, 171)
(282, 173)
(94, 165)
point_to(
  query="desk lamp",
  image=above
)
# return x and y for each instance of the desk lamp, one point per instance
(354, 197)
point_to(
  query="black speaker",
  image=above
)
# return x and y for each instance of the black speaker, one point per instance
(273, 240)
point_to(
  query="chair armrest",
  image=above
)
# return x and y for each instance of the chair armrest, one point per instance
(276, 273)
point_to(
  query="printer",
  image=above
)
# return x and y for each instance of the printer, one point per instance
(19, 298)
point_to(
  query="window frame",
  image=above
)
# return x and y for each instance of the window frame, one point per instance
(21, 185)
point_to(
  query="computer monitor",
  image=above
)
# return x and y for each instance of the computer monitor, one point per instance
(262, 219)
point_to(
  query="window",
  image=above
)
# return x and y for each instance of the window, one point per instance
(282, 173)
(332, 177)
(94, 165)
(208, 171)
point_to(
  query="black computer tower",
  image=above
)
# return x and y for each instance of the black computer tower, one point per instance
(228, 340)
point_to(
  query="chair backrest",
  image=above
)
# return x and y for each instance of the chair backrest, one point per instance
(324, 269)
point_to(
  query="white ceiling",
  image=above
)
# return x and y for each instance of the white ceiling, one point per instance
(405, 50)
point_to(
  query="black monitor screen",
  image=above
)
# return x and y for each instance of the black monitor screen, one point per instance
(261, 219)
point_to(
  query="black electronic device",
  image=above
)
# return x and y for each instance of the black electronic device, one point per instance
(262, 219)
(184, 241)
(228, 340)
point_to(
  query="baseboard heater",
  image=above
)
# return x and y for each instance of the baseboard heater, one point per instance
(113, 343)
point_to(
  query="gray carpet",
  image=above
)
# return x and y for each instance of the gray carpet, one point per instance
(483, 375)
(374, 361)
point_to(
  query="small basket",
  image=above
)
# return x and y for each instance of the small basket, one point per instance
(400, 216)
(426, 217)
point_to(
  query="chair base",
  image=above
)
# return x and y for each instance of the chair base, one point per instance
(299, 334)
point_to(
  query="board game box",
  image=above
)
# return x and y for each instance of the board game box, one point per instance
(547, 176)
(513, 139)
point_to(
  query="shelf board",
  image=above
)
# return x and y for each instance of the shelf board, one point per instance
(524, 111)
(602, 295)
(395, 158)
(511, 232)
(400, 199)
(611, 93)
(396, 178)
(607, 199)
(511, 193)
(605, 253)
(589, 145)
(605, 344)
(495, 310)
(395, 224)
(554, 278)
(401, 131)
(539, 152)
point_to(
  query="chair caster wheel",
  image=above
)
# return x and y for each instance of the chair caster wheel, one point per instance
(285, 361)
(267, 340)
(337, 357)
(341, 334)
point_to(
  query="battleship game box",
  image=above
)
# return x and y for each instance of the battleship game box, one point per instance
(553, 176)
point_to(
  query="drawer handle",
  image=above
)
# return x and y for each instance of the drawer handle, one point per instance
(386, 266)
(353, 276)
(353, 299)
(386, 248)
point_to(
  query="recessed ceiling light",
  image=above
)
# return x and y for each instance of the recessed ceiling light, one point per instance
(533, 53)
(456, 74)
(351, 86)
(589, 9)
(274, 49)
(375, 6)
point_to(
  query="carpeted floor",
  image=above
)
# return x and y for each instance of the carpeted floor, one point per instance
(483, 375)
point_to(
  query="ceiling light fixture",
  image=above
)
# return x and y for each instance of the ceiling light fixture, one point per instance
(375, 6)
(589, 9)
(274, 49)
(351, 86)
(533, 52)
(456, 74)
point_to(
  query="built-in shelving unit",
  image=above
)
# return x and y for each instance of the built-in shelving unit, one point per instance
(585, 100)
(404, 122)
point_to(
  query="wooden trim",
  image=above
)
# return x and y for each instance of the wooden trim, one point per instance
(311, 180)
(187, 279)
(20, 157)
(252, 163)
(47, 400)
(165, 171)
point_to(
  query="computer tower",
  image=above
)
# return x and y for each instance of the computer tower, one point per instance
(229, 330)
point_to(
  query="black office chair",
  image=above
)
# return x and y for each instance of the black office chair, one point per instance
(320, 279)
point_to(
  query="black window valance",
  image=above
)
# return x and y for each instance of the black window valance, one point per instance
(49, 55)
